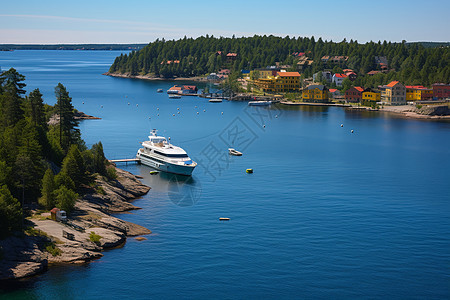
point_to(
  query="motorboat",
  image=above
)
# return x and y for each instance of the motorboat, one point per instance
(174, 96)
(234, 152)
(215, 100)
(259, 103)
(159, 90)
(159, 154)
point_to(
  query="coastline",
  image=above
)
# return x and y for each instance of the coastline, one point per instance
(407, 111)
(148, 77)
(28, 255)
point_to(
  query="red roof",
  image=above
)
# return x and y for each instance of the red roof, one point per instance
(373, 72)
(358, 88)
(231, 54)
(332, 90)
(340, 75)
(285, 74)
(417, 87)
(392, 83)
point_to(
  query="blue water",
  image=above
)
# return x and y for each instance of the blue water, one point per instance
(326, 213)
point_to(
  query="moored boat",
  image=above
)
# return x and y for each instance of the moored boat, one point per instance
(215, 100)
(158, 153)
(259, 103)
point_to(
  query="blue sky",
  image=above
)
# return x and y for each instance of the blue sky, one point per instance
(134, 21)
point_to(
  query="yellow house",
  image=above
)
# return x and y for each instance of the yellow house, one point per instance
(369, 95)
(283, 82)
(315, 93)
(418, 92)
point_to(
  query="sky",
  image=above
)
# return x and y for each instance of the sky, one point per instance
(143, 21)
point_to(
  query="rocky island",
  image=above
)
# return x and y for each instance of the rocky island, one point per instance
(90, 229)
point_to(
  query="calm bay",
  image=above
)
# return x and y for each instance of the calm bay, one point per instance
(326, 214)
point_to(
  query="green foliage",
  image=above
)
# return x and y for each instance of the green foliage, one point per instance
(418, 106)
(51, 248)
(63, 179)
(73, 165)
(111, 173)
(100, 190)
(410, 62)
(65, 199)
(48, 199)
(10, 212)
(95, 238)
(95, 159)
(68, 132)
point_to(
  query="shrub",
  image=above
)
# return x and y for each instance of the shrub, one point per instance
(100, 190)
(95, 238)
(111, 173)
(418, 106)
(52, 249)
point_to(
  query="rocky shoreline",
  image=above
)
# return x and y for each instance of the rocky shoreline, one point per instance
(91, 225)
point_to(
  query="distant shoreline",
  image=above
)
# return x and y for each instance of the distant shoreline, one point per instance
(148, 77)
(407, 111)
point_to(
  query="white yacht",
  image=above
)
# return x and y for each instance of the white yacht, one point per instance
(158, 153)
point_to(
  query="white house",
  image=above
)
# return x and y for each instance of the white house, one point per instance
(338, 78)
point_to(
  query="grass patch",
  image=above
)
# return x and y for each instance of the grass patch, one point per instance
(95, 238)
(51, 248)
(100, 190)
(31, 231)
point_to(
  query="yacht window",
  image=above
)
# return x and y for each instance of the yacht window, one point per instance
(171, 155)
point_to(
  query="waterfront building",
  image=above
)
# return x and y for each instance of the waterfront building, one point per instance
(354, 94)
(369, 95)
(418, 93)
(441, 90)
(315, 93)
(393, 93)
(334, 93)
(282, 82)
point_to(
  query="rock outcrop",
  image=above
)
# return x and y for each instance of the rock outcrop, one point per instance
(89, 230)
(433, 110)
(21, 257)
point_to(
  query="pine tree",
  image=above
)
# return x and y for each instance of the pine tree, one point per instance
(68, 131)
(65, 199)
(10, 212)
(48, 199)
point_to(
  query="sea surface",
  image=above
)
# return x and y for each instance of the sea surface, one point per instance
(326, 214)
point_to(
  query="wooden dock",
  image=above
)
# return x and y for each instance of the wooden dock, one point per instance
(125, 160)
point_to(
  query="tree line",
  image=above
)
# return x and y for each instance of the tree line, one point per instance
(411, 63)
(41, 162)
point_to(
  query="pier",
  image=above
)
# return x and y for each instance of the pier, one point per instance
(125, 160)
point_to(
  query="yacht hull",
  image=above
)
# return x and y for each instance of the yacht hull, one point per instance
(165, 166)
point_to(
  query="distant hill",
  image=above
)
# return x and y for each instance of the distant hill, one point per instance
(9, 47)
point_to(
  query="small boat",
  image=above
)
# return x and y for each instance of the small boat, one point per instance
(153, 172)
(215, 100)
(249, 171)
(234, 152)
(174, 96)
(259, 103)
(224, 219)
(159, 90)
